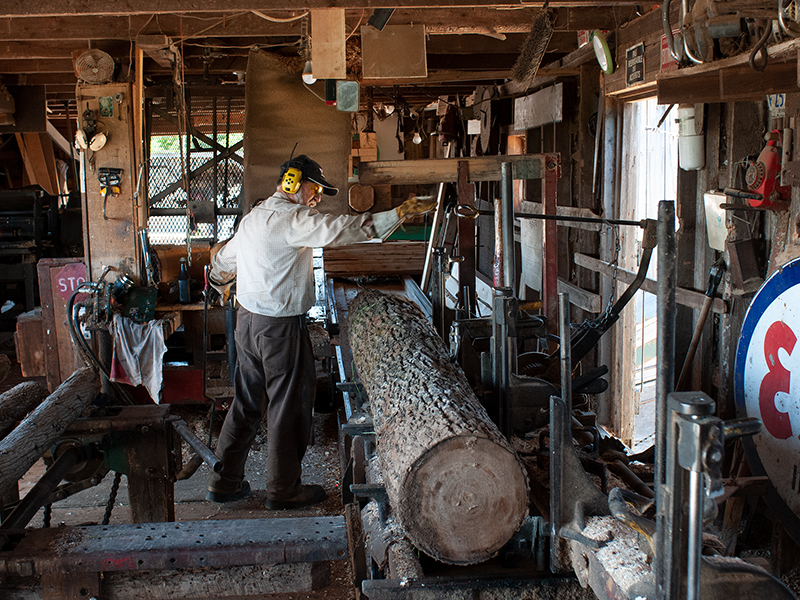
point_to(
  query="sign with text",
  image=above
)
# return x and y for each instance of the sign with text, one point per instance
(634, 64)
(69, 278)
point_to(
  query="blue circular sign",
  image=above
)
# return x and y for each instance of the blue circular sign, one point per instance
(767, 386)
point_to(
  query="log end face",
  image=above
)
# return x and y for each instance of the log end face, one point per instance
(464, 499)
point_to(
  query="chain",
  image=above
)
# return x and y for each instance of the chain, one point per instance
(112, 497)
(48, 515)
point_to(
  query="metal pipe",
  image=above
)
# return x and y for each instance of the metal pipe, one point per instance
(566, 355)
(438, 290)
(502, 355)
(686, 48)
(498, 264)
(667, 275)
(71, 456)
(507, 183)
(211, 459)
(621, 470)
(695, 536)
(668, 29)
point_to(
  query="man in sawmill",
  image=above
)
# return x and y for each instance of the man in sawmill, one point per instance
(270, 260)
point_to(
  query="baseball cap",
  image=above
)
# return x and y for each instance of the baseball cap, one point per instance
(311, 171)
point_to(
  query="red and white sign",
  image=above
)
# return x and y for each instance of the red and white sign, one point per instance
(767, 385)
(668, 63)
(69, 278)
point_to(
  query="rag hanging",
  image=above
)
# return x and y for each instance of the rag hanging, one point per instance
(138, 352)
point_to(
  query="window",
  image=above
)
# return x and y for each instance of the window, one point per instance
(208, 163)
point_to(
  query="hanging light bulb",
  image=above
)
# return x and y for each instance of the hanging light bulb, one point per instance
(417, 139)
(308, 74)
(305, 52)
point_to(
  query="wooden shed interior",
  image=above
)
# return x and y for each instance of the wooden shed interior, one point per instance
(612, 172)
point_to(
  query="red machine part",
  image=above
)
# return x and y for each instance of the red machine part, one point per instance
(762, 175)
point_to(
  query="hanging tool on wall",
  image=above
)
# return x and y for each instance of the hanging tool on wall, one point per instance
(762, 178)
(714, 279)
(109, 179)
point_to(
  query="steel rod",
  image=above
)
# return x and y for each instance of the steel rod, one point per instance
(695, 535)
(566, 354)
(566, 218)
(507, 183)
(211, 459)
(665, 345)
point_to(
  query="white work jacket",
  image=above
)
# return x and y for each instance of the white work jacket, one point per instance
(271, 255)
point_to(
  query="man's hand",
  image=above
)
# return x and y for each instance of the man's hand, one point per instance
(416, 206)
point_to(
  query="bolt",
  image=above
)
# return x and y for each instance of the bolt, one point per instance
(714, 454)
(145, 429)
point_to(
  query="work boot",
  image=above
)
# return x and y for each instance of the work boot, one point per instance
(241, 491)
(308, 495)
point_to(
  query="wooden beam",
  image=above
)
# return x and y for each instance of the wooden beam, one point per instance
(50, 65)
(39, 159)
(57, 8)
(61, 141)
(683, 296)
(730, 81)
(581, 298)
(481, 168)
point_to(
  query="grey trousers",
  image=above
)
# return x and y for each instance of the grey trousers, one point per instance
(275, 374)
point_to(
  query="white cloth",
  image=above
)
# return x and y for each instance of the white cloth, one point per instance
(271, 254)
(138, 352)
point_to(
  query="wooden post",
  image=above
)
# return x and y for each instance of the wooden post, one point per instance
(453, 481)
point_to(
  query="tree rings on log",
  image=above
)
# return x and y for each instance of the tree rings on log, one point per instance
(453, 480)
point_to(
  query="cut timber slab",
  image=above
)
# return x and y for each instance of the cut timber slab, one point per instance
(453, 481)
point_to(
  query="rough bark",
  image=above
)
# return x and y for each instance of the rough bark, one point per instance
(453, 480)
(25, 445)
(17, 402)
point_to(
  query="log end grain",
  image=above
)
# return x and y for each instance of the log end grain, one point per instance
(464, 499)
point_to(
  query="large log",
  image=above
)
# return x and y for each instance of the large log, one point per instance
(17, 402)
(453, 480)
(21, 448)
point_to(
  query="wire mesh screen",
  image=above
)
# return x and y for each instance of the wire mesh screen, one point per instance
(195, 181)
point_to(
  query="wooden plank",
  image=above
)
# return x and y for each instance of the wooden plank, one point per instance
(691, 90)
(327, 49)
(110, 235)
(389, 258)
(581, 298)
(436, 170)
(397, 51)
(40, 161)
(540, 108)
(57, 342)
(683, 296)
